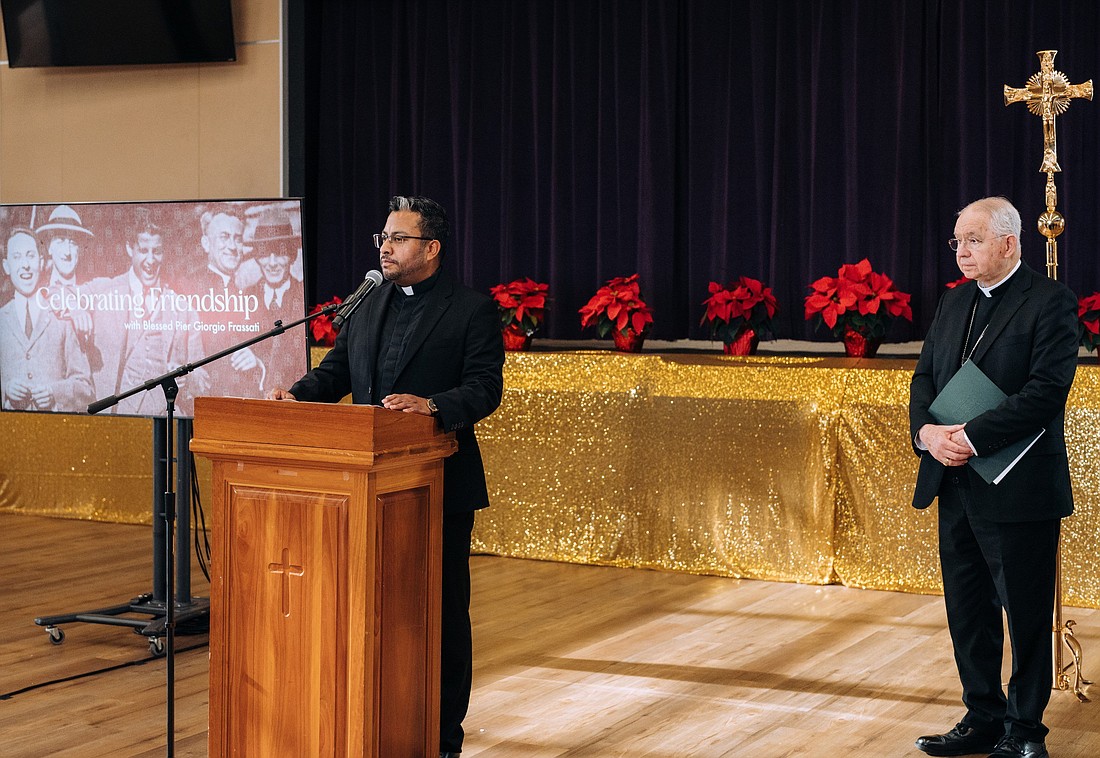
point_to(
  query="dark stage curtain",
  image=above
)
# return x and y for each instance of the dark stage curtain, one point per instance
(577, 140)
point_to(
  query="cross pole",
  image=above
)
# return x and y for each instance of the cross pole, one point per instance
(1048, 94)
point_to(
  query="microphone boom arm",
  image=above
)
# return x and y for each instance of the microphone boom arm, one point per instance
(187, 368)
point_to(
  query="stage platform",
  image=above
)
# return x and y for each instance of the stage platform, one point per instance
(788, 467)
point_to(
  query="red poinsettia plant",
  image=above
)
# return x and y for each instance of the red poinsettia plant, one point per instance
(618, 306)
(857, 299)
(1088, 315)
(958, 282)
(745, 303)
(522, 304)
(321, 331)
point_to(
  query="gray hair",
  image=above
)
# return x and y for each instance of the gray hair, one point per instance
(219, 209)
(433, 219)
(1004, 219)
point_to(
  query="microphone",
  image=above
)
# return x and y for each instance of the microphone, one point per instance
(343, 313)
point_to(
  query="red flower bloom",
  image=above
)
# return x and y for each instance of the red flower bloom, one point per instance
(884, 295)
(320, 329)
(1088, 316)
(857, 298)
(521, 303)
(831, 298)
(617, 305)
(958, 282)
(746, 302)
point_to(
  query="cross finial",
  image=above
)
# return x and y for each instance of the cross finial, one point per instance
(1048, 94)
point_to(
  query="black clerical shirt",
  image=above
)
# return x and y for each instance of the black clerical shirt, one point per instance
(985, 303)
(404, 312)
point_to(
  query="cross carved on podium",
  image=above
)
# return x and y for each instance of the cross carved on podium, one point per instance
(287, 570)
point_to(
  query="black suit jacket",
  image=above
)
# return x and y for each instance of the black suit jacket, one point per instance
(1029, 350)
(455, 357)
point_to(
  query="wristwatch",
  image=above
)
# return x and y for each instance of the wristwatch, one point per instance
(432, 406)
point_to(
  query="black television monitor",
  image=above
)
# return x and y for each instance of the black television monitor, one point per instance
(117, 32)
(100, 298)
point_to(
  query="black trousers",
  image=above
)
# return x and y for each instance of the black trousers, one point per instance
(456, 654)
(989, 567)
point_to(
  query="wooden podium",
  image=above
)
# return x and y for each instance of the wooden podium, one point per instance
(324, 587)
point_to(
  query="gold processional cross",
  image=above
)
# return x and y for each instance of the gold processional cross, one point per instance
(1048, 94)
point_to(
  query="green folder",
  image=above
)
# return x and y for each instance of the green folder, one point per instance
(969, 394)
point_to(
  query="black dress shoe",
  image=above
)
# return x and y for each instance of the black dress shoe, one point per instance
(1018, 747)
(962, 740)
(446, 754)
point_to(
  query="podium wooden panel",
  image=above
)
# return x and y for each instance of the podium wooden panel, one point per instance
(324, 607)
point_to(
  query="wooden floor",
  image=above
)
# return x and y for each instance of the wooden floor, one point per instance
(569, 661)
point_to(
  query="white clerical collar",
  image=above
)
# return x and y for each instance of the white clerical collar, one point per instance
(406, 290)
(988, 291)
(224, 276)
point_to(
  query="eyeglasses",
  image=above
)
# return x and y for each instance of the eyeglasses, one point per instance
(395, 239)
(971, 243)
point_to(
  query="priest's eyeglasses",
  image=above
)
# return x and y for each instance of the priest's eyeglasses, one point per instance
(395, 239)
(970, 243)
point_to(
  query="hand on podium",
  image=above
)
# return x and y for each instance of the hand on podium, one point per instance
(278, 393)
(409, 404)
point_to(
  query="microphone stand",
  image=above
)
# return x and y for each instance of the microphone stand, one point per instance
(167, 382)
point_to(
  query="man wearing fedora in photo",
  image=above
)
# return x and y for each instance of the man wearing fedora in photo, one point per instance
(275, 247)
(63, 234)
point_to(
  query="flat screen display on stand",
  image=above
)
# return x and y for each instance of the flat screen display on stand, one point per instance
(98, 298)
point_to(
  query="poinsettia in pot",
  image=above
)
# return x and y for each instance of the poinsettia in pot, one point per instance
(617, 309)
(740, 314)
(522, 307)
(858, 305)
(1088, 316)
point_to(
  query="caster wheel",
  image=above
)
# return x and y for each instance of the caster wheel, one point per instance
(57, 636)
(156, 646)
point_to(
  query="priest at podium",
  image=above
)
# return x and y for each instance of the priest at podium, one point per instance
(425, 343)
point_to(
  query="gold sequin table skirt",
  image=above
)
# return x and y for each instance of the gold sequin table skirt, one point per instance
(779, 468)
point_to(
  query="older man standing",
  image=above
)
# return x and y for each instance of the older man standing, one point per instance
(998, 542)
(241, 373)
